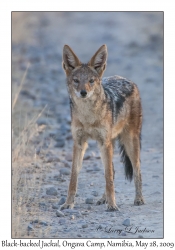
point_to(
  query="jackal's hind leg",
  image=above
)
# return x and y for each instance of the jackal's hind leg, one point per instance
(131, 153)
(102, 200)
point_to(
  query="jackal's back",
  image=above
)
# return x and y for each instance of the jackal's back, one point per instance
(117, 89)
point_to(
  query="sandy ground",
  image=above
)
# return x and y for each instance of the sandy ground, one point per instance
(135, 51)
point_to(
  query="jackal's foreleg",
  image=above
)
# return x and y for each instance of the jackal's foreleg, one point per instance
(78, 153)
(107, 154)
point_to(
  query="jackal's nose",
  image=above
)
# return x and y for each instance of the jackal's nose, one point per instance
(83, 93)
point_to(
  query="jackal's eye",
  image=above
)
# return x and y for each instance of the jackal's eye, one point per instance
(91, 80)
(75, 80)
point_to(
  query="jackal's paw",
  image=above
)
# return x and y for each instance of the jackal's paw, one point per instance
(111, 208)
(139, 201)
(66, 206)
(101, 201)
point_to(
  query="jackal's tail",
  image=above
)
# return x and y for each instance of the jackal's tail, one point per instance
(126, 161)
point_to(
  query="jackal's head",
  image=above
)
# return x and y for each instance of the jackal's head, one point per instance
(84, 79)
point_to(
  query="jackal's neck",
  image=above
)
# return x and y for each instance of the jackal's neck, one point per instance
(88, 110)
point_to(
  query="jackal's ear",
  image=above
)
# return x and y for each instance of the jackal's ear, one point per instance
(70, 60)
(98, 61)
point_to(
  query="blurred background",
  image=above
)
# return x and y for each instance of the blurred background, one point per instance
(40, 111)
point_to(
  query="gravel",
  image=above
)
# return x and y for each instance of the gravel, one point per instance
(52, 159)
(126, 222)
(89, 200)
(59, 213)
(30, 227)
(140, 236)
(66, 164)
(60, 143)
(43, 223)
(65, 171)
(69, 157)
(54, 206)
(95, 193)
(84, 225)
(79, 235)
(62, 221)
(62, 201)
(51, 191)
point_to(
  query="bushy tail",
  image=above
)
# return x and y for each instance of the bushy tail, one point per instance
(126, 161)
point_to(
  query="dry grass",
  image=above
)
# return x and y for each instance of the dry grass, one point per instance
(25, 185)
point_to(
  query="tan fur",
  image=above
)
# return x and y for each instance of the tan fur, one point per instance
(92, 119)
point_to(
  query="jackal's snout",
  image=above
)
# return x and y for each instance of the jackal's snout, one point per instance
(83, 93)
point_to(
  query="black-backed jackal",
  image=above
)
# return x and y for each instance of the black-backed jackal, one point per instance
(103, 109)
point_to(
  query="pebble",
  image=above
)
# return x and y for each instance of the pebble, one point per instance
(68, 136)
(53, 132)
(87, 157)
(64, 128)
(65, 171)
(92, 143)
(93, 222)
(72, 217)
(140, 236)
(51, 191)
(89, 169)
(155, 193)
(84, 212)
(59, 213)
(43, 223)
(95, 193)
(89, 207)
(68, 157)
(71, 211)
(62, 221)
(126, 222)
(66, 164)
(30, 227)
(62, 201)
(98, 157)
(60, 144)
(42, 204)
(79, 235)
(84, 225)
(37, 165)
(68, 119)
(113, 215)
(54, 206)
(37, 151)
(123, 234)
(100, 227)
(35, 221)
(56, 176)
(96, 168)
(27, 94)
(52, 159)
(89, 201)
(67, 230)
(42, 121)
